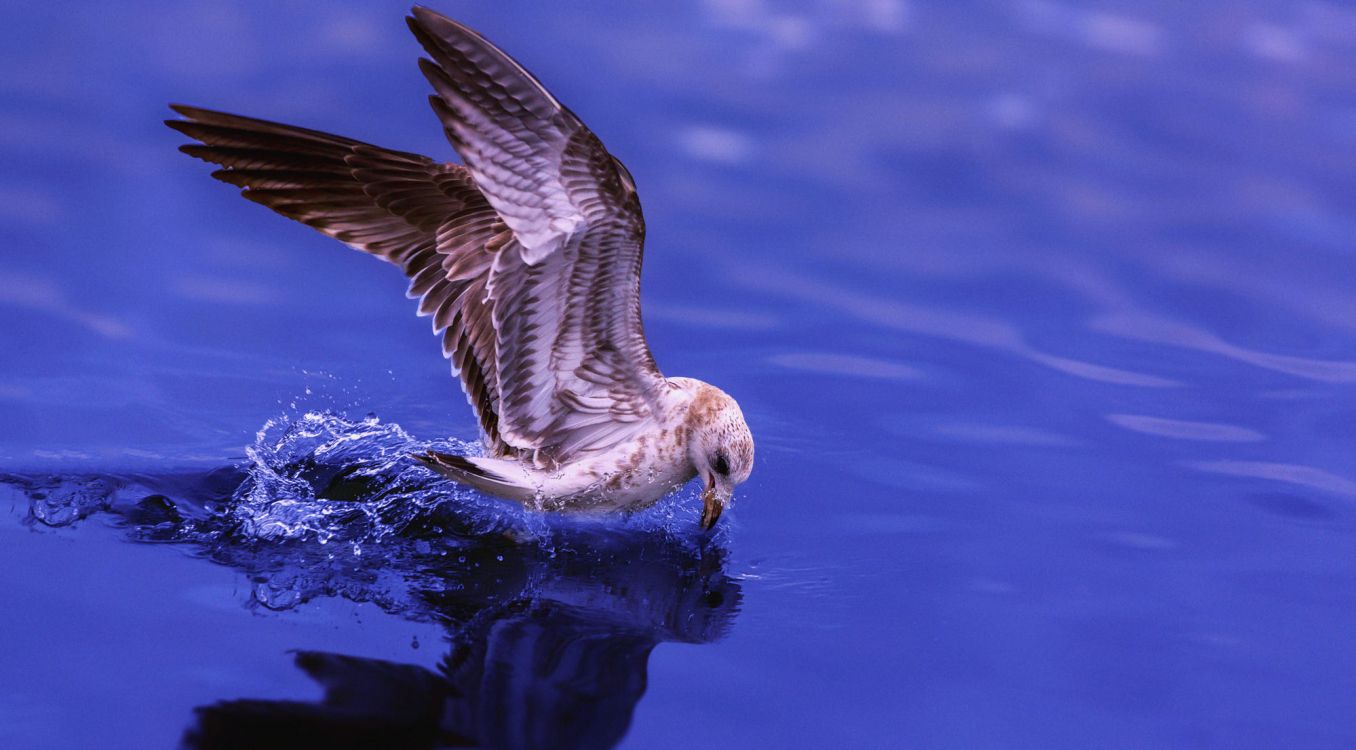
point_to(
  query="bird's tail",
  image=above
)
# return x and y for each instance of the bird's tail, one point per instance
(479, 473)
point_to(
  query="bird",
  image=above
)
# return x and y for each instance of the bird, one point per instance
(527, 257)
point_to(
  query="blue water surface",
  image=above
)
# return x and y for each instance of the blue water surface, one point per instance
(1043, 315)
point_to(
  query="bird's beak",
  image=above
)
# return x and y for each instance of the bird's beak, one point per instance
(712, 504)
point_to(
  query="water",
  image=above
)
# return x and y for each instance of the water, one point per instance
(1042, 316)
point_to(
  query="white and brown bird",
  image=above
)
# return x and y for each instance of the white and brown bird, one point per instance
(527, 256)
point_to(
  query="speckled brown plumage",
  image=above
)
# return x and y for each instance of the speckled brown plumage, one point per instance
(527, 258)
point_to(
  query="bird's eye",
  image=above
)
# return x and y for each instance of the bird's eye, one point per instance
(720, 465)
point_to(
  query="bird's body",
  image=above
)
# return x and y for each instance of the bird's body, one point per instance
(630, 474)
(528, 259)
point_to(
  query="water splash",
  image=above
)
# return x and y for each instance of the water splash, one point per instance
(325, 505)
(70, 502)
(326, 477)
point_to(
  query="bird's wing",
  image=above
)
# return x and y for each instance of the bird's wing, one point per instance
(575, 372)
(428, 218)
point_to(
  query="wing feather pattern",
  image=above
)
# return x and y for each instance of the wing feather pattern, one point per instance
(425, 217)
(527, 258)
(575, 371)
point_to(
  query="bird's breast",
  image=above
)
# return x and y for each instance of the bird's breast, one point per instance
(631, 475)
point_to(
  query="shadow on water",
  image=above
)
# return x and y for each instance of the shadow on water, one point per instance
(550, 623)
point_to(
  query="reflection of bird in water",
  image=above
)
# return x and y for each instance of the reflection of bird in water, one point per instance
(548, 650)
(528, 258)
(548, 643)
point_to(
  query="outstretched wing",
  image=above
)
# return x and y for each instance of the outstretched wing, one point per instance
(428, 218)
(527, 258)
(575, 372)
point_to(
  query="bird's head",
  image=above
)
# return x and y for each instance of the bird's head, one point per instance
(720, 447)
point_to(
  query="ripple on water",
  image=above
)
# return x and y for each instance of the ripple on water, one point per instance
(1157, 329)
(1185, 430)
(1291, 506)
(846, 365)
(947, 429)
(1304, 476)
(974, 329)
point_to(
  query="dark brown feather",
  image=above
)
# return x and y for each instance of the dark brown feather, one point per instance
(388, 203)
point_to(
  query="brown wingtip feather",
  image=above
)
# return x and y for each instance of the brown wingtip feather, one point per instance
(427, 458)
(180, 126)
(424, 14)
(457, 467)
(427, 16)
(209, 116)
(437, 77)
(426, 38)
(416, 26)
